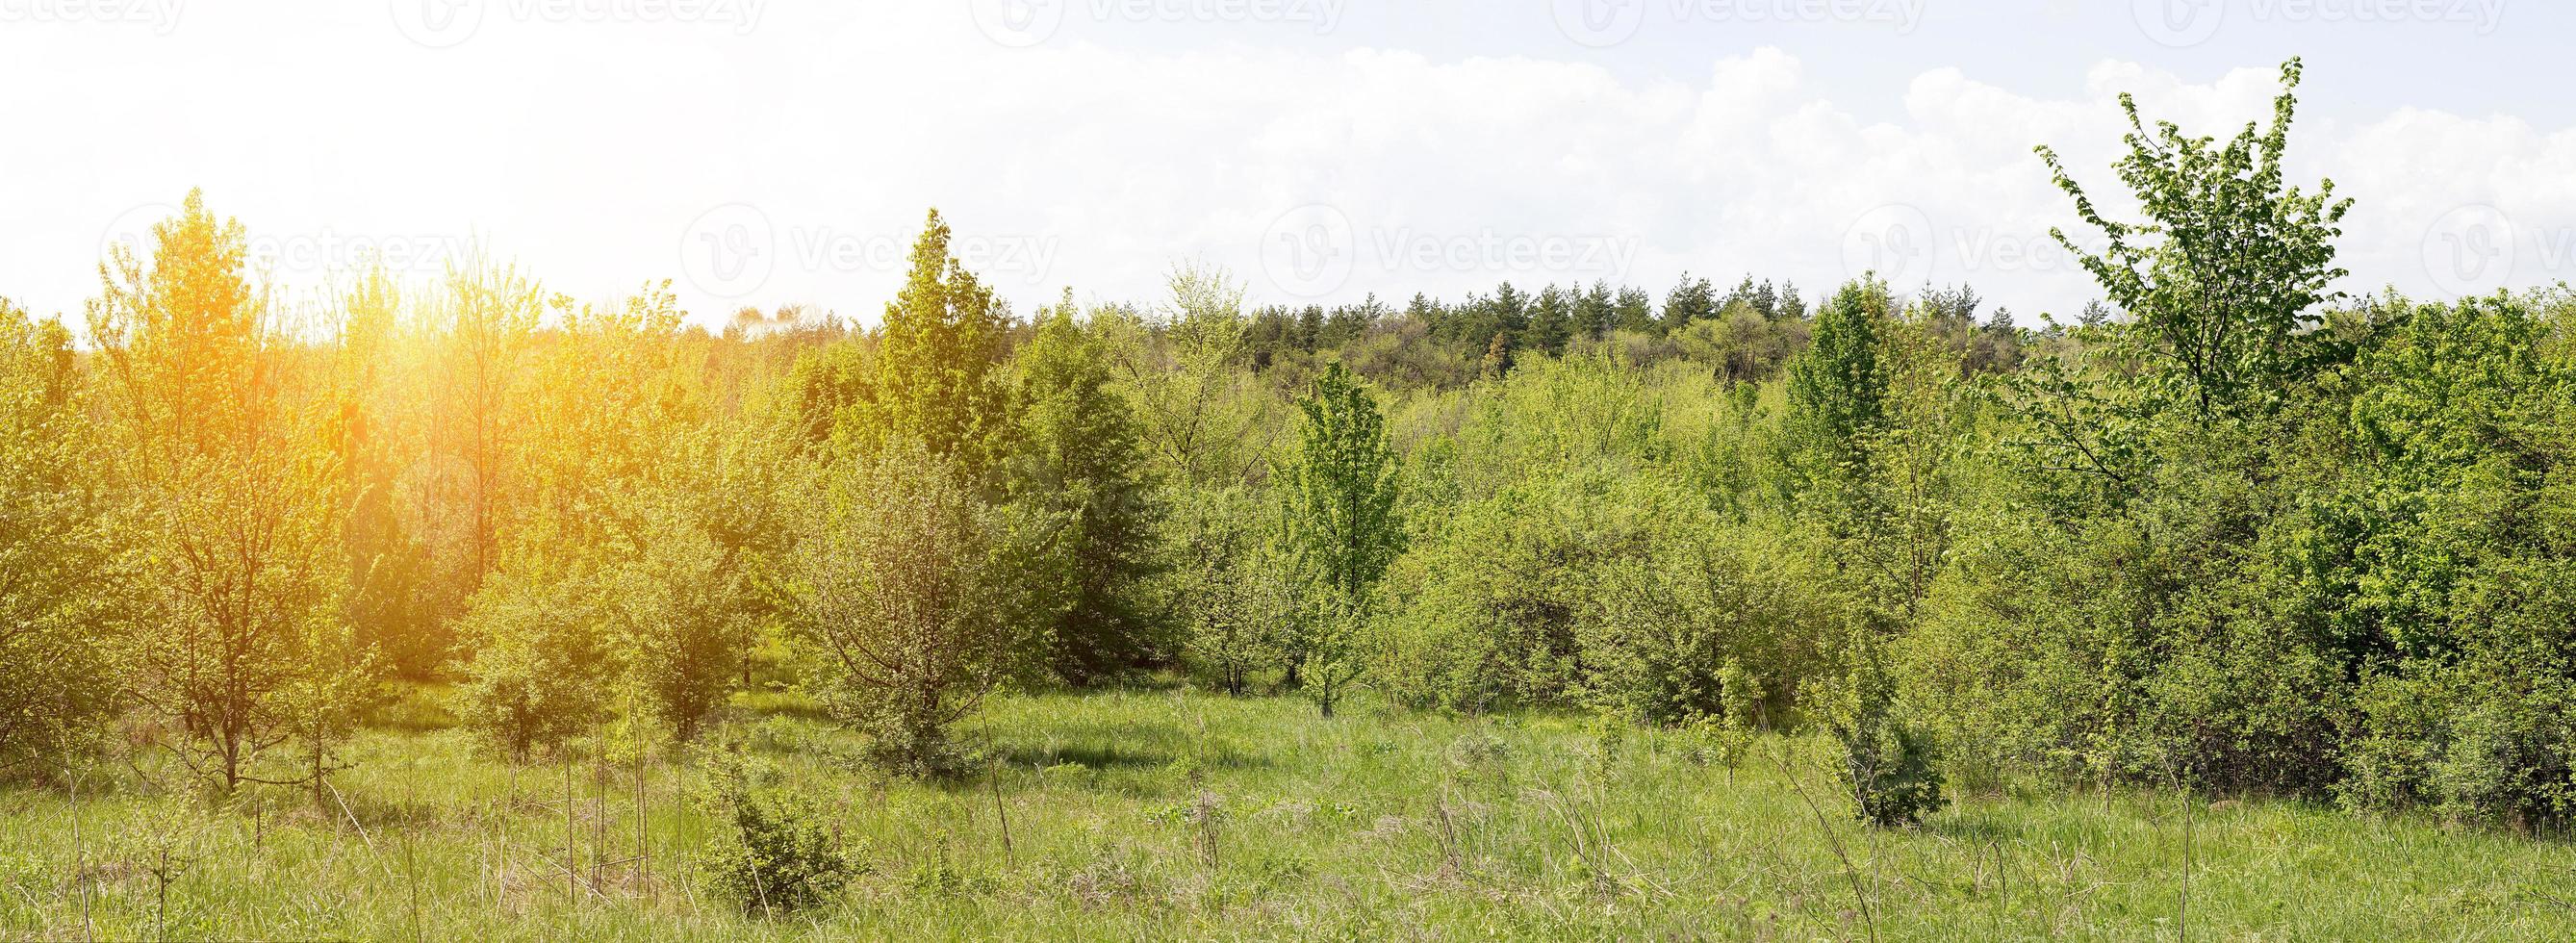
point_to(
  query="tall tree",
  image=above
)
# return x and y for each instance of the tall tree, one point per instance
(1595, 313)
(247, 646)
(1837, 389)
(1634, 310)
(1694, 299)
(1551, 320)
(1077, 455)
(2222, 277)
(1341, 523)
(937, 381)
(491, 323)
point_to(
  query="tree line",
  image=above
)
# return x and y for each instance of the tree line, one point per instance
(2229, 530)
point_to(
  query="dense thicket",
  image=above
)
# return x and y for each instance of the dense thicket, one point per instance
(2234, 532)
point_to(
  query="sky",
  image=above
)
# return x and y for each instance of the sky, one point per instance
(768, 152)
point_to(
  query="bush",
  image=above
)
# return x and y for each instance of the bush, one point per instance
(772, 853)
(61, 580)
(1229, 588)
(542, 662)
(1486, 617)
(1660, 631)
(919, 597)
(1890, 767)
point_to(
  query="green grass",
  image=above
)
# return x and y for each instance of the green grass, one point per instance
(1165, 814)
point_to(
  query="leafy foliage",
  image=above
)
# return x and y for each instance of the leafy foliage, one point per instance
(773, 853)
(61, 575)
(2224, 277)
(1077, 457)
(920, 598)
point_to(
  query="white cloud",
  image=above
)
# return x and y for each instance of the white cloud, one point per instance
(587, 151)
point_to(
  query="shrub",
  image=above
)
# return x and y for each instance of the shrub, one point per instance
(919, 597)
(772, 853)
(60, 576)
(1231, 591)
(1660, 630)
(1889, 763)
(542, 662)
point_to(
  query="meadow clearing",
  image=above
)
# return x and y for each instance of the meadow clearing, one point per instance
(1178, 814)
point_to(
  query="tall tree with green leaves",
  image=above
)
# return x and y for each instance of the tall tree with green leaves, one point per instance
(247, 646)
(937, 363)
(1077, 455)
(1341, 523)
(2222, 277)
(1837, 388)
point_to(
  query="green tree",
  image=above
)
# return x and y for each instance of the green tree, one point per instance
(1076, 455)
(546, 660)
(60, 563)
(246, 644)
(1551, 320)
(2221, 278)
(917, 597)
(1342, 524)
(1837, 387)
(937, 380)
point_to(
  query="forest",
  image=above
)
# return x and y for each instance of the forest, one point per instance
(2232, 604)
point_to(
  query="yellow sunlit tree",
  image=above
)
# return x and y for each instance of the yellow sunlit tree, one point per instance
(244, 645)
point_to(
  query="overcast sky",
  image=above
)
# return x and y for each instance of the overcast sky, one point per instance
(763, 152)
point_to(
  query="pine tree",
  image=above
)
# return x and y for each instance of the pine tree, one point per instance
(936, 382)
(1077, 455)
(1635, 311)
(1692, 300)
(1551, 321)
(1595, 313)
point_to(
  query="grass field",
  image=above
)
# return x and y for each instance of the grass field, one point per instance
(1175, 814)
